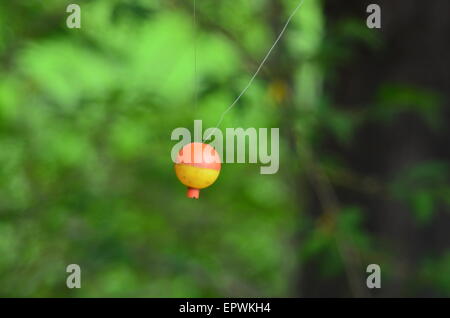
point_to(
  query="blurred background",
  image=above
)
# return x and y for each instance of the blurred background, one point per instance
(86, 175)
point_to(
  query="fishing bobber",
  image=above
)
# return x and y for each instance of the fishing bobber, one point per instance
(197, 166)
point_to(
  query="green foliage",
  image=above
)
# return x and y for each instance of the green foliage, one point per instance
(435, 272)
(394, 99)
(423, 186)
(85, 172)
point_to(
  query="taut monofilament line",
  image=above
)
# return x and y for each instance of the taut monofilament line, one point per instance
(266, 57)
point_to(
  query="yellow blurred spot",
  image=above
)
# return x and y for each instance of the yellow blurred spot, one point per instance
(195, 177)
(278, 91)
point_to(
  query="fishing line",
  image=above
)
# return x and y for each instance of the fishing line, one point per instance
(195, 58)
(258, 69)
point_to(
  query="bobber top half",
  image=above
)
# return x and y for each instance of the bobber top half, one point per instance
(197, 167)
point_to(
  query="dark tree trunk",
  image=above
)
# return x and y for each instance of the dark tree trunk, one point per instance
(415, 51)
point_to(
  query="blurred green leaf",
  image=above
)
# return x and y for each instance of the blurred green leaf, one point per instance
(397, 98)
